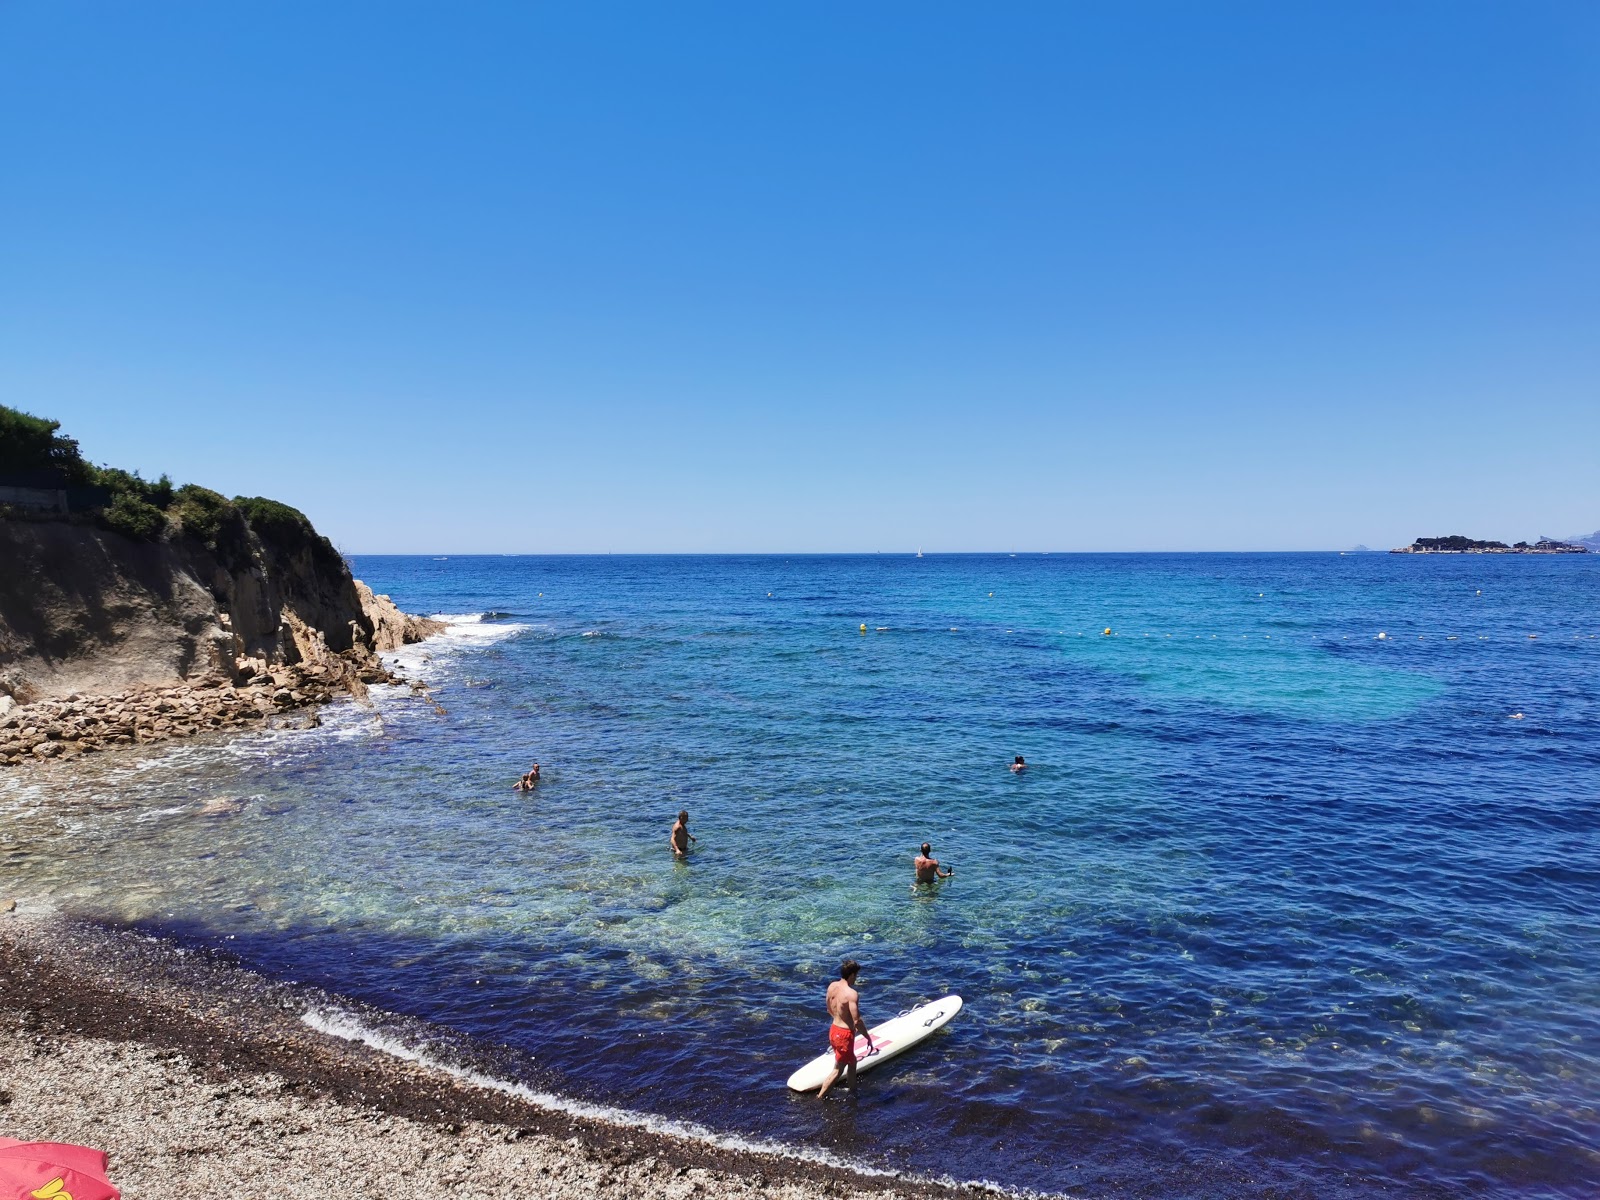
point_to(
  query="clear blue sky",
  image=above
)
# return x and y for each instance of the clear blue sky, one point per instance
(789, 277)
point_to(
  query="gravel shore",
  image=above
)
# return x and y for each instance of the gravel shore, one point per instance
(187, 1069)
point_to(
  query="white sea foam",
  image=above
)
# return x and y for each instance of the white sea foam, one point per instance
(462, 632)
(351, 1028)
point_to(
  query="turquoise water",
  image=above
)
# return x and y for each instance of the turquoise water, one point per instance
(1279, 908)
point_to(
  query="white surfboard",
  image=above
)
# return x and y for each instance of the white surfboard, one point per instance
(893, 1037)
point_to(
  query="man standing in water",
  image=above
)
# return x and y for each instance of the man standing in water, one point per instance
(681, 837)
(844, 1006)
(928, 868)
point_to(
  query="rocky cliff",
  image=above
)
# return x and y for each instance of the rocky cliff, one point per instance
(89, 610)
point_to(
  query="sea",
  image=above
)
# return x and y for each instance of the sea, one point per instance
(1297, 895)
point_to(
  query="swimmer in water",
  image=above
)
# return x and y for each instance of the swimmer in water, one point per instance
(680, 837)
(928, 868)
(528, 782)
(1018, 765)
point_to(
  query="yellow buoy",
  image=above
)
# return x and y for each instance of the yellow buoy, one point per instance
(1107, 632)
(863, 627)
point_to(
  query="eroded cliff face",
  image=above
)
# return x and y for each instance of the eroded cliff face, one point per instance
(86, 610)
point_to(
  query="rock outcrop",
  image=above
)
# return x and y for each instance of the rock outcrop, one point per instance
(392, 628)
(108, 640)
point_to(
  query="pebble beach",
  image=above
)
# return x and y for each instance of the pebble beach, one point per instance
(182, 1066)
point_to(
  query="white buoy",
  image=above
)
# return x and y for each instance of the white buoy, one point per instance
(1382, 636)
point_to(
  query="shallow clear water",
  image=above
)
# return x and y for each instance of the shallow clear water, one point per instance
(1279, 907)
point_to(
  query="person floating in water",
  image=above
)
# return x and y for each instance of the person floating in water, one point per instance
(528, 782)
(681, 837)
(928, 868)
(1018, 765)
(844, 1006)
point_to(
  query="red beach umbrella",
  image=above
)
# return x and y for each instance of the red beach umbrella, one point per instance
(53, 1171)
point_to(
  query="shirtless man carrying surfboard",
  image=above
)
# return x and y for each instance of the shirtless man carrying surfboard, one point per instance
(844, 1006)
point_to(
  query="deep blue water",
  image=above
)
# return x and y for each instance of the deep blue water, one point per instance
(1279, 908)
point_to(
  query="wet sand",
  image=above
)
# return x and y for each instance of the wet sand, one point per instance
(186, 1068)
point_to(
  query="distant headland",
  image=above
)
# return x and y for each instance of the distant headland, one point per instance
(1457, 544)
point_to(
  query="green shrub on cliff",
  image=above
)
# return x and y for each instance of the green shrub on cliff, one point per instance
(201, 512)
(157, 494)
(138, 506)
(132, 517)
(29, 443)
(212, 520)
(287, 530)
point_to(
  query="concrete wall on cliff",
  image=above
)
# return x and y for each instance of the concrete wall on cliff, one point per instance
(83, 609)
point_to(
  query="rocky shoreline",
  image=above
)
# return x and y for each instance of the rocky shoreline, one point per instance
(78, 724)
(253, 692)
(177, 1062)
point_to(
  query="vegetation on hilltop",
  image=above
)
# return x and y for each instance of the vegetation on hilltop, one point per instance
(151, 510)
(286, 529)
(30, 444)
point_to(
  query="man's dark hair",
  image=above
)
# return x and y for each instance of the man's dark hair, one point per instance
(848, 969)
(684, 815)
(927, 848)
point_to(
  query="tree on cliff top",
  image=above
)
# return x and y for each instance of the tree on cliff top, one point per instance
(29, 443)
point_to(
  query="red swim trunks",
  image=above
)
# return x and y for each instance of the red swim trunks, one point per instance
(843, 1042)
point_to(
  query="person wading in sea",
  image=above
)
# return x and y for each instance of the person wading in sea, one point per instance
(680, 837)
(844, 1006)
(928, 868)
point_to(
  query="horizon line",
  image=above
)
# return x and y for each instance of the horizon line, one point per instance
(810, 553)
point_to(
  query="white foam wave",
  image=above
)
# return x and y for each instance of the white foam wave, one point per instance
(351, 1028)
(461, 632)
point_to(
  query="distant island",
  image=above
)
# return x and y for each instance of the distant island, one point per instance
(1457, 544)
